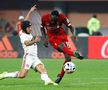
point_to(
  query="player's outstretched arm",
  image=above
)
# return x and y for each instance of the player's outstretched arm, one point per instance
(67, 22)
(72, 29)
(30, 11)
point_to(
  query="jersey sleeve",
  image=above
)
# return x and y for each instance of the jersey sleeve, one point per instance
(23, 39)
(65, 20)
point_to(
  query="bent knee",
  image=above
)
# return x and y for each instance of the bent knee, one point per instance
(22, 76)
(41, 68)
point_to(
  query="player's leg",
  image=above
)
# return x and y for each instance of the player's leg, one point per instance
(60, 43)
(61, 74)
(64, 48)
(8, 75)
(16, 74)
(26, 64)
(39, 66)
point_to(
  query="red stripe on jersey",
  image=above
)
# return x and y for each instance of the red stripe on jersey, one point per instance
(23, 63)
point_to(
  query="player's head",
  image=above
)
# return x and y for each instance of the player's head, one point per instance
(94, 16)
(26, 27)
(54, 16)
(21, 18)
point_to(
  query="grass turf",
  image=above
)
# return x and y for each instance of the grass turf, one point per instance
(89, 75)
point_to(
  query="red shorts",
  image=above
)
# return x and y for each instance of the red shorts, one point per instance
(56, 40)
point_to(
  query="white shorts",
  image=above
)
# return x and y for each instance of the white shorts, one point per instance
(30, 61)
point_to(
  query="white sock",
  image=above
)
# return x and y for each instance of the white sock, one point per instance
(11, 75)
(45, 77)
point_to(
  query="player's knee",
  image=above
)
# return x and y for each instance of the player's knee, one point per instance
(41, 68)
(22, 75)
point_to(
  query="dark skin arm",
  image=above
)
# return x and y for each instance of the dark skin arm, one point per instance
(72, 29)
(68, 24)
(45, 36)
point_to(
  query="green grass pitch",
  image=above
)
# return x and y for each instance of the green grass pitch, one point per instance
(89, 75)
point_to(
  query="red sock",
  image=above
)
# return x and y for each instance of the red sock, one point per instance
(68, 51)
(62, 71)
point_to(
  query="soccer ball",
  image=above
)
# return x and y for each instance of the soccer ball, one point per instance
(69, 67)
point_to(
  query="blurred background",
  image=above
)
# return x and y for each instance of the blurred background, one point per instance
(79, 12)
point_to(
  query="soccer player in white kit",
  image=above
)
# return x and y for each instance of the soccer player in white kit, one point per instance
(30, 58)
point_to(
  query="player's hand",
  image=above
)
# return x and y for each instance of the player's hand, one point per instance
(46, 44)
(37, 39)
(33, 8)
(74, 38)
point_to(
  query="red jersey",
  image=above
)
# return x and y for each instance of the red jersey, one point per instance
(57, 28)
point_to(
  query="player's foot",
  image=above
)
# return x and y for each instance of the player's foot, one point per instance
(78, 55)
(51, 83)
(58, 79)
(2, 75)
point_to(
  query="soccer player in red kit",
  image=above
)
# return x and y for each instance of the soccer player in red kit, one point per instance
(52, 27)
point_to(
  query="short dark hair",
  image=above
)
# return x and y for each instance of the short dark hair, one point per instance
(94, 15)
(55, 12)
(25, 24)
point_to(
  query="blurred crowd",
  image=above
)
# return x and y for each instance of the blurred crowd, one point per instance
(93, 27)
(10, 28)
(5, 27)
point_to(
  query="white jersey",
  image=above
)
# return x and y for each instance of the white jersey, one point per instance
(31, 49)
